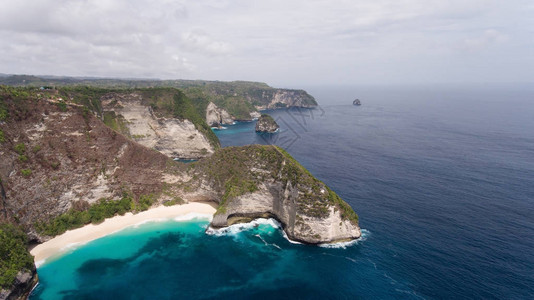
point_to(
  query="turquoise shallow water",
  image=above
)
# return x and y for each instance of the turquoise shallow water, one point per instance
(170, 260)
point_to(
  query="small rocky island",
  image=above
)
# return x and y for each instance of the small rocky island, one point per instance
(266, 124)
(356, 102)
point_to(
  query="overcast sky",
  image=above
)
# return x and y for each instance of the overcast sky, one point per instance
(285, 43)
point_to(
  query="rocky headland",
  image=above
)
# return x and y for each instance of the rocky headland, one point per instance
(265, 181)
(234, 100)
(78, 155)
(266, 124)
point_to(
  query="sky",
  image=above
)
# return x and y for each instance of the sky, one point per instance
(284, 43)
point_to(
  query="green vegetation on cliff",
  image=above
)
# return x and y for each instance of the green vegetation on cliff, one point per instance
(229, 170)
(266, 123)
(13, 102)
(82, 213)
(14, 256)
(166, 102)
(235, 105)
(236, 97)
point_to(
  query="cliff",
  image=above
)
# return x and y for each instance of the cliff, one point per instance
(267, 124)
(171, 136)
(163, 118)
(61, 167)
(282, 98)
(21, 287)
(240, 99)
(57, 156)
(265, 181)
(216, 117)
(58, 159)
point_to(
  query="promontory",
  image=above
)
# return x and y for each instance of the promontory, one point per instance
(77, 155)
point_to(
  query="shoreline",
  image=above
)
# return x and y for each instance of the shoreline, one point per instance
(90, 232)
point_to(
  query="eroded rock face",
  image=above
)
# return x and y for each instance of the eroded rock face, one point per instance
(264, 181)
(273, 200)
(216, 116)
(172, 137)
(69, 158)
(24, 283)
(266, 124)
(283, 98)
(255, 115)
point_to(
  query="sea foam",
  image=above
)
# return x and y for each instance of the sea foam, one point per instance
(344, 245)
(237, 228)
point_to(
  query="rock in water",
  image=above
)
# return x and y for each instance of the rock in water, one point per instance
(357, 102)
(267, 124)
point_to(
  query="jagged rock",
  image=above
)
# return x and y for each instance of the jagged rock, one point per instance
(267, 124)
(216, 116)
(170, 136)
(23, 285)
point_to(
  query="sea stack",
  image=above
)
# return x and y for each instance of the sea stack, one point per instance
(356, 102)
(266, 124)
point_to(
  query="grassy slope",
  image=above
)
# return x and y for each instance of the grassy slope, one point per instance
(229, 170)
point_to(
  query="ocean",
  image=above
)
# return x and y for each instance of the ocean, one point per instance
(441, 177)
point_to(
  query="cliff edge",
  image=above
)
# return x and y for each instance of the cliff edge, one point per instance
(62, 168)
(265, 181)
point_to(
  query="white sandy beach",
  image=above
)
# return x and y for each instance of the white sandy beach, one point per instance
(91, 232)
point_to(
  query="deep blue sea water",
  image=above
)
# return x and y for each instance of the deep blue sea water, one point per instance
(442, 179)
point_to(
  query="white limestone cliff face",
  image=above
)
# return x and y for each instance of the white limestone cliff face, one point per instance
(262, 181)
(274, 201)
(172, 137)
(289, 98)
(216, 116)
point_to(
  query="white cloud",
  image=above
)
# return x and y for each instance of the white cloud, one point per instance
(278, 41)
(488, 38)
(198, 41)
